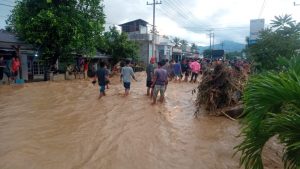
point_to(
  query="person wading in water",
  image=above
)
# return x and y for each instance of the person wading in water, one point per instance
(160, 82)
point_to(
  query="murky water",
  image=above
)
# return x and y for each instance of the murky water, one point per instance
(62, 125)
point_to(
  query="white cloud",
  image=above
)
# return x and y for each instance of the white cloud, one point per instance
(190, 19)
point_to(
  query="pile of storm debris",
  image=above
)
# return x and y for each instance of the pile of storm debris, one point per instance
(220, 91)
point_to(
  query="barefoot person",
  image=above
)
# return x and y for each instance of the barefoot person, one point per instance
(150, 72)
(160, 82)
(126, 74)
(185, 69)
(177, 71)
(15, 67)
(102, 75)
(195, 67)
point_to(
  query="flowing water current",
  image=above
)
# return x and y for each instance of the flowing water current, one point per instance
(62, 125)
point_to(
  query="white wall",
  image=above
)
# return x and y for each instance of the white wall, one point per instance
(24, 66)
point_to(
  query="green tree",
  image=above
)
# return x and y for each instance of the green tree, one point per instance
(282, 39)
(233, 55)
(59, 27)
(272, 108)
(194, 48)
(118, 45)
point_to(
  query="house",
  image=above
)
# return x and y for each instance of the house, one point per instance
(11, 46)
(164, 48)
(137, 31)
(177, 53)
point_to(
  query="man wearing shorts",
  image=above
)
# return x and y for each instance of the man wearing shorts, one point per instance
(126, 74)
(102, 75)
(160, 82)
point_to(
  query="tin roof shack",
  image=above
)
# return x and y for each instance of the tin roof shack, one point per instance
(11, 46)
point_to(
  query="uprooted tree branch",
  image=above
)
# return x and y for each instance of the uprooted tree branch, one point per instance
(220, 89)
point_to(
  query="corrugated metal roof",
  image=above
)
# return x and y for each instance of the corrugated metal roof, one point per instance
(138, 20)
(7, 40)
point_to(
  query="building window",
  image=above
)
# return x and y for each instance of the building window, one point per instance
(38, 68)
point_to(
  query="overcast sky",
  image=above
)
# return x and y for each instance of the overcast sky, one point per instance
(191, 19)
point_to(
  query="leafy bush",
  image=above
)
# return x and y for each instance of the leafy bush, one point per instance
(272, 108)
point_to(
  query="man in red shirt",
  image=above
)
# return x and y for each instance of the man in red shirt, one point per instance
(195, 67)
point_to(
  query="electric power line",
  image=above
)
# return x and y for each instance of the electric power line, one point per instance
(8, 1)
(189, 16)
(181, 12)
(182, 6)
(172, 15)
(176, 8)
(176, 12)
(1, 4)
(262, 8)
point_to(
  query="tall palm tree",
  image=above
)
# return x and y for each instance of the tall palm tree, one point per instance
(272, 108)
(176, 41)
(281, 22)
(247, 39)
(194, 47)
(183, 44)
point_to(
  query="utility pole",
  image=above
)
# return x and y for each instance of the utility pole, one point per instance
(153, 27)
(210, 41)
(211, 34)
(213, 46)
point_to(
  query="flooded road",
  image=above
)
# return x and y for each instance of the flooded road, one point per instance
(62, 125)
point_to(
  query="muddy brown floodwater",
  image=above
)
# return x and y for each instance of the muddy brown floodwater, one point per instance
(62, 125)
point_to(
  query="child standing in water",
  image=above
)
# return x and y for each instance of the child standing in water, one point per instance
(126, 74)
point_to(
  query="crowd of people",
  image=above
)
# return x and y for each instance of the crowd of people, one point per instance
(158, 78)
(10, 68)
(162, 72)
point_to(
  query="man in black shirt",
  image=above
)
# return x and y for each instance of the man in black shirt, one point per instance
(102, 75)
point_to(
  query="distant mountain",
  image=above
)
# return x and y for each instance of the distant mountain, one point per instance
(228, 46)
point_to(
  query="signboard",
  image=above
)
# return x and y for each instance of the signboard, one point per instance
(177, 50)
(256, 25)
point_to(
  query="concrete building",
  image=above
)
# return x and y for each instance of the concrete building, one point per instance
(11, 46)
(164, 48)
(137, 31)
